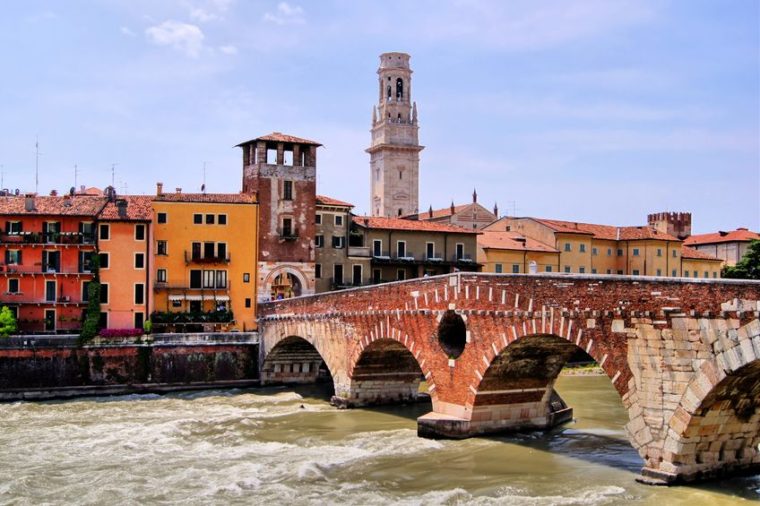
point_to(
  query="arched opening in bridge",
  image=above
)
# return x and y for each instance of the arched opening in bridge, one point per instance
(294, 360)
(387, 373)
(452, 334)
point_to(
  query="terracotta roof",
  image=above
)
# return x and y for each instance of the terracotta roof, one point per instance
(738, 235)
(280, 137)
(690, 253)
(607, 232)
(329, 201)
(138, 208)
(209, 198)
(438, 213)
(79, 205)
(492, 239)
(381, 223)
(91, 191)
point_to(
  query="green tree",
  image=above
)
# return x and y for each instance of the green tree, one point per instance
(91, 323)
(748, 267)
(7, 322)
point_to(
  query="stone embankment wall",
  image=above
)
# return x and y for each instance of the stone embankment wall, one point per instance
(46, 366)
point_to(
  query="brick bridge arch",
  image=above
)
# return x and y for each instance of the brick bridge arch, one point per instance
(681, 354)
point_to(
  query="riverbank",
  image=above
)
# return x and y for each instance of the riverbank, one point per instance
(582, 370)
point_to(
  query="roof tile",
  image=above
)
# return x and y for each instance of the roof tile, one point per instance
(382, 223)
(738, 235)
(78, 205)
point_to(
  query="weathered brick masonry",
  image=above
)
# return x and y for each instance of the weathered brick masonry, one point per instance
(683, 355)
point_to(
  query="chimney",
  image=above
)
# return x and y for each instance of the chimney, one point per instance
(53, 193)
(496, 210)
(67, 201)
(121, 206)
(179, 191)
(29, 202)
(430, 212)
(159, 189)
(452, 207)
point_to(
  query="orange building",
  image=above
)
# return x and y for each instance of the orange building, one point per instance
(124, 246)
(46, 250)
(205, 261)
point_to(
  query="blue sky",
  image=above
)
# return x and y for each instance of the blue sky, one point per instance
(599, 111)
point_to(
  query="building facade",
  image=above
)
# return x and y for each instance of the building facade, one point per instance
(730, 246)
(47, 247)
(395, 148)
(281, 171)
(205, 263)
(125, 239)
(472, 215)
(510, 252)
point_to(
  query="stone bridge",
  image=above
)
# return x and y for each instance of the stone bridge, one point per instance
(684, 355)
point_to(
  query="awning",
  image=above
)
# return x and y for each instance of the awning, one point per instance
(222, 298)
(176, 297)
(193, 297)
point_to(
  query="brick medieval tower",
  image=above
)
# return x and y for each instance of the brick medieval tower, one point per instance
(395, 150)
(281, 170)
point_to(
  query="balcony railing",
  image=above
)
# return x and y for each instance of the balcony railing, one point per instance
(187, 288)
(65, 238)
(287, 234)
(41, 269)
(196, 258)
(359, 251)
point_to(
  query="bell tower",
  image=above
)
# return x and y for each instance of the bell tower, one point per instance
(395, 148)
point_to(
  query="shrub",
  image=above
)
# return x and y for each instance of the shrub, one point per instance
(7, 322)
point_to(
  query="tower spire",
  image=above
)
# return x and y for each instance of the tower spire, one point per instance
(474, 196)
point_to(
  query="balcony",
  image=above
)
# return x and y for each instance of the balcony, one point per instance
(189, 290)
(197, 258)
(287, 234)
(55, 238)
(359, 251)
(41, 269)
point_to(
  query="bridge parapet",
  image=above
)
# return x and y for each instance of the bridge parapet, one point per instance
(674, 349)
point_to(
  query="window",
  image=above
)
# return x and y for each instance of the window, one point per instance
(105, 232)
(162, 218)
(139, 232)
(675, 254)
(548, 268)
(13, 227)
(85, 291)
(609, 271)
(707, 274)
(51, 261)
(377, 248)
(161, 248)
(659, 272)
(338, 220)
(696, 274)
(338, 241)
(209, 279)
(635, 252)
(13, 286)
(401, 274)
(208, 249)
(221, 279)
(593, 271)
(620, 271)
(659, 252)
(221, 219)
(85, 261)
(176, 303)
(460, 251)
(103, 320)
(319, 241)
(594, 251)
(515, 268)
(247, 303)
(635, 272)
(582, 248)
(13, 257)
(620, 252)
(139, 294)
(582, 270)
(51, 230)
(210, 218)
(338, 274)
(377, 275)
(161, 276)
(139, 320)
(287, 190)
(104, 293)
(430, 250)
(318, 219)
(609, 252)
(498, 268)
(674, 273)
(105, 260)
(567, 268)
(246, 277)
(318, 271)
(287, 227)
(715, 274)
(139, 260)
(567, 247)
(195, 278)
(400, 249)
(50, 291)
(198, 219)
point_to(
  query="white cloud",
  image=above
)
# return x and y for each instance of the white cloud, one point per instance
(228, 49)
(202, 15)
(286, 14)
(181, 36)
(210, 10)
(126, 31)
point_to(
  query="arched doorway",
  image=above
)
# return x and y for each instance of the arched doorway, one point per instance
(285, 286)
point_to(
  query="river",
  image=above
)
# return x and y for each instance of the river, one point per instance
(289, 446)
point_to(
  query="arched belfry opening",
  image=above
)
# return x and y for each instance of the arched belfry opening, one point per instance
(399, 89)
(294, 360)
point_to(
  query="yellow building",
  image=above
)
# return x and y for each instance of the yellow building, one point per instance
(586, 248)
(510, 252)
(205, 265)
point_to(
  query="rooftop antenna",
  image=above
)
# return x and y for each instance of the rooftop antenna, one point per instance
(37, 164)
(203, 186)
(113, 175)
(2, 176)
(76, 175)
